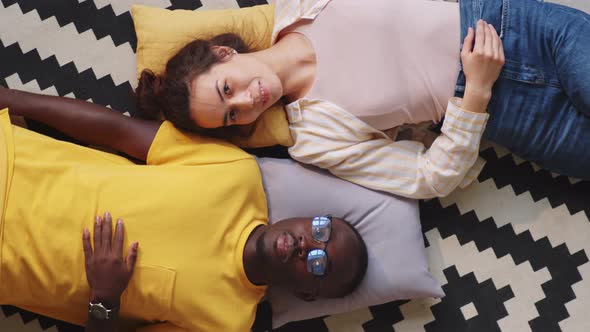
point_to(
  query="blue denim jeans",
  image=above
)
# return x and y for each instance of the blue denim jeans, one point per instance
(540, 106)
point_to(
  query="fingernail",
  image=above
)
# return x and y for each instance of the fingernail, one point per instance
(97, 220)
(85, 231)
(107, 215)
(119, 222)
(135, 245)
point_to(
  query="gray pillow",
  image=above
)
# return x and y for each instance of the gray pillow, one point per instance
(390, 225)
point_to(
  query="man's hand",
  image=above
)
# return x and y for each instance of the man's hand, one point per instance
(107, 272)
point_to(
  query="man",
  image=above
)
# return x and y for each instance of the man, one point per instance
(200, 218)
(292, 251)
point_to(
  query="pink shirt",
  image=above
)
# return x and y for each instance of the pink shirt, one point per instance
(373, 58)
(373, 75)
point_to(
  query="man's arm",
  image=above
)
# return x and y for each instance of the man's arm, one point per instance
(108, 274)
(84, 121)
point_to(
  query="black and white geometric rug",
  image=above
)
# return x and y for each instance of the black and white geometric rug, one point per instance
(512, 250)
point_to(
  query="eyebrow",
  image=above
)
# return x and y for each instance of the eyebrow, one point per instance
(226, 114)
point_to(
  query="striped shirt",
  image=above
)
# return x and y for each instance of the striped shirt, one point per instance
(330, 137)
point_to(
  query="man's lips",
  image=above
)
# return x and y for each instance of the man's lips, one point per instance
(285, 246)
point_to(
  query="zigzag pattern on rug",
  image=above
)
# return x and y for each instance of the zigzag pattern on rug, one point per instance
(511, 250)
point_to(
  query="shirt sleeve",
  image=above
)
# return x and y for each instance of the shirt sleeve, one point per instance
(288, 12)
(175, 147)
(404, 168)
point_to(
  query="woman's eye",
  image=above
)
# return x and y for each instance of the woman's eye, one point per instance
(232, 115)
(226, 89)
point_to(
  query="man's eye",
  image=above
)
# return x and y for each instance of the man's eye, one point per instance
(232, 115)
(226, 89)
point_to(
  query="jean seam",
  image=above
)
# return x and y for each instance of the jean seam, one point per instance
(505, 17)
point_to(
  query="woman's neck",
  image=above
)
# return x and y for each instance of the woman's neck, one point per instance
(294, 61)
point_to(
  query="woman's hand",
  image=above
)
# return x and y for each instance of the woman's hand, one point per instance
(107, 272)
(482, 64)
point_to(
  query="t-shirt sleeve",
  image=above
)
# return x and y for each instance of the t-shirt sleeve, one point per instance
(174, 147)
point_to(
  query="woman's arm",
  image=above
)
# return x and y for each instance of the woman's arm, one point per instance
(404, 168)
(84, 121)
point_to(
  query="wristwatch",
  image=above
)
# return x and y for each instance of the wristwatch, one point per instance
(99, 311)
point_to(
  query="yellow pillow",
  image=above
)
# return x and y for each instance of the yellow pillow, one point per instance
(162, 32)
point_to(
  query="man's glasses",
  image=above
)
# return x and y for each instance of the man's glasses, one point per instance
(317, 259)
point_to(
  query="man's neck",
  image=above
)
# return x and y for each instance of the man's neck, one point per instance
(252, 267)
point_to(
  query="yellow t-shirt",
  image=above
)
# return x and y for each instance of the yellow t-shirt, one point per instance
(192, 215)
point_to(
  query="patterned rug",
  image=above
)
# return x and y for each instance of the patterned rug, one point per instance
(511, 250)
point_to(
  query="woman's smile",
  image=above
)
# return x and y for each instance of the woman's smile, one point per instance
(264, 93)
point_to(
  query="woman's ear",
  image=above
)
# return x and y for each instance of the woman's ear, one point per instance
(223, 53)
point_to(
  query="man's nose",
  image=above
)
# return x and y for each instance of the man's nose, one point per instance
(304, 246)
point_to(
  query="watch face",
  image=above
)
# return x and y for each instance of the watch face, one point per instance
(98, 311)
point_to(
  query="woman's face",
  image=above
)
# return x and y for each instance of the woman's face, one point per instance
(234, 91)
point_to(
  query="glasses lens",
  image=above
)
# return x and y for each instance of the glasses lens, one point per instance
(321, 228)
(316, 262)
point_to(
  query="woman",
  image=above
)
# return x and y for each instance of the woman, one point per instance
(344, 97)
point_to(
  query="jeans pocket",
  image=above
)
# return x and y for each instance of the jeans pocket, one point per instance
(524, 73)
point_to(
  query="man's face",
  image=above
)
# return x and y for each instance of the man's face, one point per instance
(284, 248)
